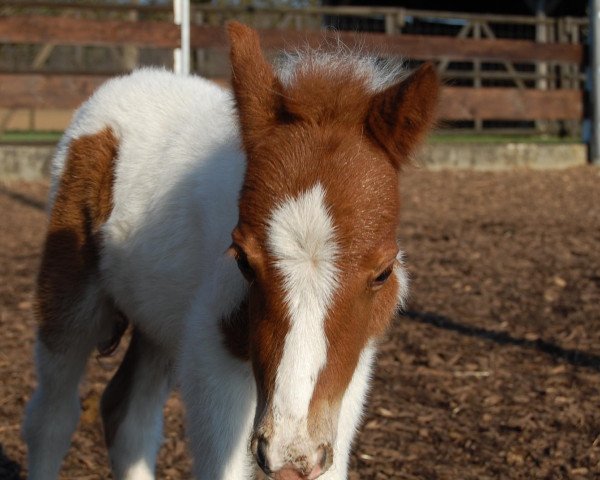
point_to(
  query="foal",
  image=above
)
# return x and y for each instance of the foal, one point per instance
(251, 242)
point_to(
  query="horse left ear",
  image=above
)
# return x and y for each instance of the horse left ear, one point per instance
(403, 113)
(256, 88)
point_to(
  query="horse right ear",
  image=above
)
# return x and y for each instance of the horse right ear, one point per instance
(257, 90)
(403, 113)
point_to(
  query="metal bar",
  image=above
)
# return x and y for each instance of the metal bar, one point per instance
(177, 21)
(594, 137)
(181, 55)
(185, 37)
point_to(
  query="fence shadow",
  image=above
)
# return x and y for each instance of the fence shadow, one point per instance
(574, 357)
(23, 199)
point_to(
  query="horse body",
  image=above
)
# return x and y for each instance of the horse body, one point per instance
(252, 248)
(179, 158)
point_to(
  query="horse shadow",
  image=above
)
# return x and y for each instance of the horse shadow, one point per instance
(9, 469)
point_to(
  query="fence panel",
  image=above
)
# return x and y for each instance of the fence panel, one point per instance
(500, 60)
(68, 91)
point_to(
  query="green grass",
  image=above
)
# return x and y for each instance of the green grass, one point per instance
(53, 137)
(30, 137)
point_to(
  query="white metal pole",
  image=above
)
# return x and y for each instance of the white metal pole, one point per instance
(595, 81)
(185, 37)
(177, 51)
(181, 56)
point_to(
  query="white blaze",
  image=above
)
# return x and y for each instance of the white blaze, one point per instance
(301, 238)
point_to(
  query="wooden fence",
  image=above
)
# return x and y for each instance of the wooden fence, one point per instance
(535, 96)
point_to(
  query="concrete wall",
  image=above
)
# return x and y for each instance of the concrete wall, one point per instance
(25, 162)
(502, 156)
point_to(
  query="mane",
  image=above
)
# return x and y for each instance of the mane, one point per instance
(338, 62)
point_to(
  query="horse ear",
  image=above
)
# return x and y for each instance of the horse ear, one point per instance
(256, 88)
(403, 113)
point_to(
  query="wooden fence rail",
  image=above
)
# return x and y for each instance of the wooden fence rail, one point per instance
(74, 31)
(68, 91)
(29, 90)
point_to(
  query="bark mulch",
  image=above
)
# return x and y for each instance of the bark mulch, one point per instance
(493, 372)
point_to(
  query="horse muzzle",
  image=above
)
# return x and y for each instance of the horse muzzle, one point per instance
(298, 466)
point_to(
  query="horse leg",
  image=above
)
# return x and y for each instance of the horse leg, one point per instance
(62, 350)
(132, 408)
(220, 396)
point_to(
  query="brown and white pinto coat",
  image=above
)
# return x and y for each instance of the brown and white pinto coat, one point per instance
(262, 280)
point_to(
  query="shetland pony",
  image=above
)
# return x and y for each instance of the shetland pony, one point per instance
(249, 239)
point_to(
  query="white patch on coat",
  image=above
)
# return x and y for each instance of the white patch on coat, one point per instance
(301, 238)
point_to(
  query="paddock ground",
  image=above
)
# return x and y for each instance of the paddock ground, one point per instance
(492, 373)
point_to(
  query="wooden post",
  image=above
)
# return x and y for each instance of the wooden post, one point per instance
(390, 23)
(540, 37)
(130, 53)
(477, 72)
(567, 127)
(562, 26)
(201, 58)
(400, 20)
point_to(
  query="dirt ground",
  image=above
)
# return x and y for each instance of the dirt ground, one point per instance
(492, 373)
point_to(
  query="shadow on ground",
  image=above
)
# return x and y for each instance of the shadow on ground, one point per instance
(22, 198)
(9, 469)
(572, 356)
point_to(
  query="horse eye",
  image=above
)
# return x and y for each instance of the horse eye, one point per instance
(244, 265)
(382, 277)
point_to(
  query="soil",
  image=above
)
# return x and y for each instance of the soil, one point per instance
(493, 372)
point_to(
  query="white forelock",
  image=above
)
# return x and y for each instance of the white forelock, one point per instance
(376, 72)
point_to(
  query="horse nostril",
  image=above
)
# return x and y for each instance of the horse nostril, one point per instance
(323, 459)
(261, 456)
